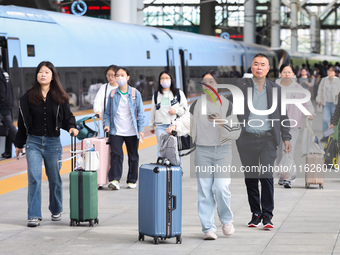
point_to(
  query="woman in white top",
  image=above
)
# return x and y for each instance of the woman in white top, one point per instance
(288, 82)
(167, 103)
(328, 91)
(213, 132)
(103, 93)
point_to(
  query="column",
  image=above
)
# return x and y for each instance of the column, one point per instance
(121, 10)
(249, 22)
(315, 33)
(207, 18)
(275, 26)
(293, 25)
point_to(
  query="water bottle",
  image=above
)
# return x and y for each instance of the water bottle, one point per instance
(79, 162)
(89, 146)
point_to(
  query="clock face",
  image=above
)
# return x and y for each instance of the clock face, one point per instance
(78, 8)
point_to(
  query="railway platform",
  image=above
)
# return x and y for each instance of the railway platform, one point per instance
(306, 220)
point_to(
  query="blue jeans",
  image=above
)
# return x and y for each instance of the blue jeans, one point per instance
(328, 111)
(213, 185)
(49, 149)
(160, 129)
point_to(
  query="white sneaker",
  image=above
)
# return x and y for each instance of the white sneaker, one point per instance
(114, 185)
(210, 235)
(131, 185)
(56, 217)
(228, 229)
(34, 222)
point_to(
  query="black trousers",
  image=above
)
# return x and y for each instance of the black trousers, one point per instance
(12, 131)
(257, 157)
(117, 156)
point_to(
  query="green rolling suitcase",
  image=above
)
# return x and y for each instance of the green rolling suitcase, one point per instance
(83, 194)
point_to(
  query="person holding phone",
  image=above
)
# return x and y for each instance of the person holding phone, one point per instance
(43, 111)
(213, 137)
(288, 82)
(168, 102)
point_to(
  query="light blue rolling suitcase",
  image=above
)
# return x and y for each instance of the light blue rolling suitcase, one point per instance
(160, 201)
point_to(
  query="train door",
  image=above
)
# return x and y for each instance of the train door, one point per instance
(15, 71)
(4, 53)
(4, 65)
(184, 70)
(171, 62)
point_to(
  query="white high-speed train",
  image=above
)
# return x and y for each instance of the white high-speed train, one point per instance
(82, 47)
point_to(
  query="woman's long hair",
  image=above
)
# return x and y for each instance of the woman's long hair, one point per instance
(172, 86)
(58, 93)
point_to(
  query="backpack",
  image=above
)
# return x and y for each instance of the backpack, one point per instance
(331, 153)
(168, 148)
(84, 130)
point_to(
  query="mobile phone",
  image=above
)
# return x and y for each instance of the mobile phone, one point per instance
(20, 155)
(328, 132)
(212, 116)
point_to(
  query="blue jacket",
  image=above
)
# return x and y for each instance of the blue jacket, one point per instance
(109, 114)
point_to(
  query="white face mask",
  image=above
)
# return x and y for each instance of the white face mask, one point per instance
(166, 84)
(121, 81)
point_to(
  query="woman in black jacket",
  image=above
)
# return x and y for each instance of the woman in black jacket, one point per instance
(43, 110)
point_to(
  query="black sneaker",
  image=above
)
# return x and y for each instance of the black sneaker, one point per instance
(6, 155)
(267, 223)
(288, 184)
(255, 221)
(324, 139)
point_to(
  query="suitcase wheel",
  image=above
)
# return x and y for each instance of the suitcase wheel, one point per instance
(73, 223)
(178, 239)
(155, 240)
(91, 223)
(141, 237)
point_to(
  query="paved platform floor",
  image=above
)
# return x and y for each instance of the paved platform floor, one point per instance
(307, 221)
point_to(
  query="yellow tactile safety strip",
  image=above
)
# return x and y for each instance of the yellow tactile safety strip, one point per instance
(20, 181)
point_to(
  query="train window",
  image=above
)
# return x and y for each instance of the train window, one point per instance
(148, 54)
(30, 50)
(155, 37)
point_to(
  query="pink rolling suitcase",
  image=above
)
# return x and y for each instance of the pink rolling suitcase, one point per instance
(102, 145)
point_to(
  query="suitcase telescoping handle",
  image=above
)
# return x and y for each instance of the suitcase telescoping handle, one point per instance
(73, 151)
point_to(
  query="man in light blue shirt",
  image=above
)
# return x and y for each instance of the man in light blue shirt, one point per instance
(259, 139)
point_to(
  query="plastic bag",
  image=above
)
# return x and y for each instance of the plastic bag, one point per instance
(286, 166)
(319, 108)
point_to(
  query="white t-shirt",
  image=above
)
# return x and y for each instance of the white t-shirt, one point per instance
(165, 107)
(329, 92)
(207, 134)
(123, 118)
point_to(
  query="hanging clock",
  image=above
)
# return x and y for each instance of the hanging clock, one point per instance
(79, 8)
